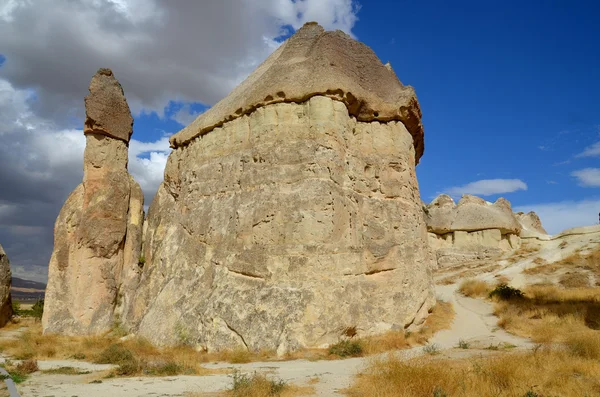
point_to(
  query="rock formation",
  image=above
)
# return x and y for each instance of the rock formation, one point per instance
(6, 311)
(473, 229)
(530, 222)
(290, 211)
(97, 236)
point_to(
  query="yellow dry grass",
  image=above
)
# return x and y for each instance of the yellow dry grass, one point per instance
(475, 288)
(259, 385)
(578, 262)
(544, 372)
(550, 314)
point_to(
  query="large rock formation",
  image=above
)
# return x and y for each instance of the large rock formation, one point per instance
(6, 311)
(97, 236)
(473, 229)
(290, 211)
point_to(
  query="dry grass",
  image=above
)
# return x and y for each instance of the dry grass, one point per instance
(544, 372)
(468, 272)
(577, 262)
(475, 288)
(550, 314)
(574, 280)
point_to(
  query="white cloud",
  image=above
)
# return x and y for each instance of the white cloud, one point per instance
(588, 177)
(160, 50)
(40, 164)
(488, 187)
(562, 215)
(590, 151)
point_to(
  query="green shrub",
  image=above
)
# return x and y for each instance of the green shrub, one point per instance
(506, 292)
(346, 348)
(37, 309)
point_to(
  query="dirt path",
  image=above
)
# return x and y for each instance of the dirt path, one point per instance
(474, 323)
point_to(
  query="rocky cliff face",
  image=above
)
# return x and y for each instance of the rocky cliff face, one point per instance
(471, 230)
(98, 231)
(290, 211)
(6, 311)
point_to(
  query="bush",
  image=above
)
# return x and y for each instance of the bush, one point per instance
(462, 344)
(118, 355)
(38, 309)
(431, 349)
(255, 385)
(346, 348)
(27, 367)
(506, 292)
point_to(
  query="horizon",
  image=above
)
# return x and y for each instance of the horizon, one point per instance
(509, 95)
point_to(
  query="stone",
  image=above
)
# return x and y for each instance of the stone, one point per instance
(97, 235)
(314, 62)
(6, 310)
(475, 226)
(283, 225)
(530, 222)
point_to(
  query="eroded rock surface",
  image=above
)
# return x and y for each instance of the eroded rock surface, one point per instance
(531, 222)
(97, 233)
(471, 230)
(6, 311)
(315, 62)
(290, 211)
(283, 228)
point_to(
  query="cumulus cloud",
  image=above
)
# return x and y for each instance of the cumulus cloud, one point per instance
(189, 51)
(591, 151)
(562, 215)
(488, 187)
(40, 164)
(161, 51)
(588, 177)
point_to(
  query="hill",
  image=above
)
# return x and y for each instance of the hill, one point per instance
(26, 290)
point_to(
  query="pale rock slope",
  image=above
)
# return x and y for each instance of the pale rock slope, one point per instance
(97, 236)
(6, 310)
(290, 211)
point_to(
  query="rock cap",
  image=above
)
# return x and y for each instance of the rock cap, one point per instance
(472, 213)
(106, 109)
(315, 62)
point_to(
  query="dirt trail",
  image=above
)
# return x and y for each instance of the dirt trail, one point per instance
(474, 323)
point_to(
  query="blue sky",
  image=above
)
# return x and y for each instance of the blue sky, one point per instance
(508, 90)
(510, 93)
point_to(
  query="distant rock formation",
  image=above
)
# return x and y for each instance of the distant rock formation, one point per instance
(473, 229)
(530, 222)
(290, 211)
(6, 310)
(97, 236)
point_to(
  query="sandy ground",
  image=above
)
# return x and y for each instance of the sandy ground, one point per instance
(474, 322)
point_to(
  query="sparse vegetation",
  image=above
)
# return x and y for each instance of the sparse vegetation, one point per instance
(475, 288)
(546, 373)
(256, 385)
(432, 349)
(65, 371)
(346, 348)
(463, 344)
(577, 263)
(505, 292)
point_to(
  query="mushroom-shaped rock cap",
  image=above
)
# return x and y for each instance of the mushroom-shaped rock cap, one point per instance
(106, 109)
(472, 213)
(315, 62)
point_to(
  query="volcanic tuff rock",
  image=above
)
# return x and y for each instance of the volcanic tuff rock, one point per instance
(473, 229)
(6, 311)
(531, 222)
(290, 211)
(315, 62)
(97, 236)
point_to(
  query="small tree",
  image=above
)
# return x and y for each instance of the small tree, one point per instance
(37, 309)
